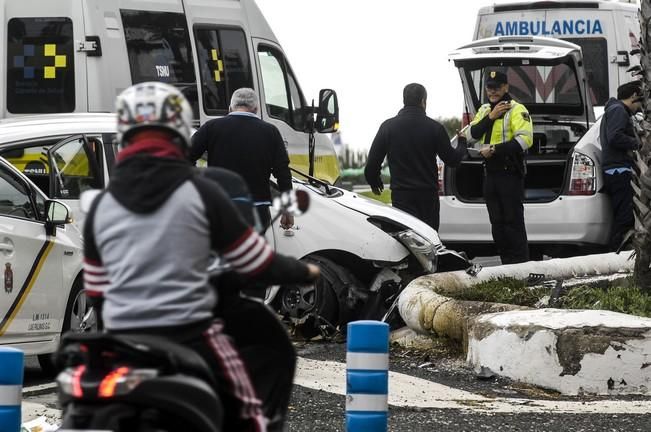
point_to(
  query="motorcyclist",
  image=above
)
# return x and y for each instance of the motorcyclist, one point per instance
(148, 239)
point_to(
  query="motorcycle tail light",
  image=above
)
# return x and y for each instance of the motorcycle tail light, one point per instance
(122, 380)
(76, 382)
(69, 381)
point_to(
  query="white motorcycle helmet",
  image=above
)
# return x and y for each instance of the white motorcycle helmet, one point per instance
(153, 105)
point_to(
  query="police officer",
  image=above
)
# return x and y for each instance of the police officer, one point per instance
(504, 129)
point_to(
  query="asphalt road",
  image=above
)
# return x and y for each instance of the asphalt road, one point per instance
(531, 409)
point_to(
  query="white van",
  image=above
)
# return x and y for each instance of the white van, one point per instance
(69, 56)
(606, 31)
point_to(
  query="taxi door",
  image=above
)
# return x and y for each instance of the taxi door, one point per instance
(30, 262)
(73, 168)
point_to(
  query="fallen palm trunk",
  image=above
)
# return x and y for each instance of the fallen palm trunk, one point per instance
(425, 308)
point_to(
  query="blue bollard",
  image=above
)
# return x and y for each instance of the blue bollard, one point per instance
(367, 377)
(11, 385)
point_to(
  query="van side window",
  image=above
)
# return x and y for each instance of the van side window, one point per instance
(224, 65)
(281, 91)
(40, 65)
(158, 44)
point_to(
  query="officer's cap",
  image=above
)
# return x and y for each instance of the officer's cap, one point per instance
(495, 78)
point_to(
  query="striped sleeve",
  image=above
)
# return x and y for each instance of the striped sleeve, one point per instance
(249, 255)
(96, 278)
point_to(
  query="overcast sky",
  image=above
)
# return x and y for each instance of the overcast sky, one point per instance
(369, 50)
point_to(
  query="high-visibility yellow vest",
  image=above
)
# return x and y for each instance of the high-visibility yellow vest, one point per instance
(515, 123)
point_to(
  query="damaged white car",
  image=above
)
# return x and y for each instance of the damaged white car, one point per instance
(368, 251)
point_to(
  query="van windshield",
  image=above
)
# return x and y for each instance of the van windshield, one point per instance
(158, 44)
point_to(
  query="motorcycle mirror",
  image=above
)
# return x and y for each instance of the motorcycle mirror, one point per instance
(292, 202)
(302, 200)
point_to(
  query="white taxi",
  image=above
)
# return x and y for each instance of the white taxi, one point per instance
(41, 261)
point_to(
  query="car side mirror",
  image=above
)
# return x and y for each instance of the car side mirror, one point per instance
(56, 213)
(327, 119)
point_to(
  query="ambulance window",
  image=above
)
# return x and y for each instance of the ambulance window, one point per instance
(158, 45)
(282, 95)
(224, 65)
(14, 199)
(40, 66)
(596, 66)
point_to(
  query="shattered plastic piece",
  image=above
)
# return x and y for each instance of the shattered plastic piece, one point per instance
(542, 303)
(474, 269)
(39, 424)
(535, 278)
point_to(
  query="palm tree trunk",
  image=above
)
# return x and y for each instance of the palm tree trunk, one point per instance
(642, 175)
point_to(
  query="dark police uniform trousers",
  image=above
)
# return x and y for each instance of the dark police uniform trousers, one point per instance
(504, 194)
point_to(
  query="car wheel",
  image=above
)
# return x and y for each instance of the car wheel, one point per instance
(316, 306)
(80, 317)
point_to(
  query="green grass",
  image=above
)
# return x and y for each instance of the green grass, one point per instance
(503, 290)
(385, 197)
(623, 297)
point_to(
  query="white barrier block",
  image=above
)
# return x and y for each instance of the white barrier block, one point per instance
(571, 351)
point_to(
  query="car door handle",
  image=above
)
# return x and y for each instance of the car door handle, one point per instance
(6, 247)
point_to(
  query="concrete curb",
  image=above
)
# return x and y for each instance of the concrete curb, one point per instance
(426, 309)
(38, 389)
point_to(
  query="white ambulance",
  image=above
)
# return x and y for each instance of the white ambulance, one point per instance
(606, 31)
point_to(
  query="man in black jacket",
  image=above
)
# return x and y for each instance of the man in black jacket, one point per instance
(411, 141)
(253, 148)
(618, 141)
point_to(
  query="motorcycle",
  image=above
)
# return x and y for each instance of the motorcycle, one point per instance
(145, 383)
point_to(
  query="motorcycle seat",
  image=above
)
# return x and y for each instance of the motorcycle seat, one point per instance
(148, 349)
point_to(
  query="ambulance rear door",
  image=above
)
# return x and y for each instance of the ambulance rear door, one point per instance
(46, 70)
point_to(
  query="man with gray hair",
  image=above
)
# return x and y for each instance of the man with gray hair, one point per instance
(253, 148)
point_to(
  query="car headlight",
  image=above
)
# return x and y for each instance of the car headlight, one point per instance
(422, 249)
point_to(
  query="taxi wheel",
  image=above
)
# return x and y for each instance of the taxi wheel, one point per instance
(79, 318)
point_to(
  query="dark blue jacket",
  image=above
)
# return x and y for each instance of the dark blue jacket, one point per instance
(618, 139)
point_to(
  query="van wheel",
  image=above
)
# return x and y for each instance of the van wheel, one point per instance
(80, 317)
(316, 306)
